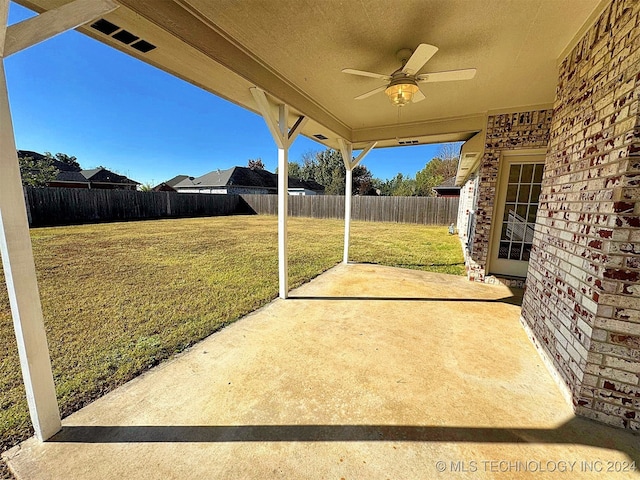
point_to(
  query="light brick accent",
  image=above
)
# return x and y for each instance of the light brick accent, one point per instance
(509, 131)
(582, 301)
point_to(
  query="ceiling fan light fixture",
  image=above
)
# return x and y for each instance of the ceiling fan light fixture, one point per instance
(402, 92)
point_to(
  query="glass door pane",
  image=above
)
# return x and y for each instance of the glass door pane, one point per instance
(523, 190)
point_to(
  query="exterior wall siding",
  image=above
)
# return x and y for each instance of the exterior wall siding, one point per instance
(466, 212)
(510, 131)
(582, 301)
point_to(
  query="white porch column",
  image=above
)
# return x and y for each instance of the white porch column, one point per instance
(283, 205)
(348, 194)
(20, 276)
(284, 137)
(346, 149)
(15, 241)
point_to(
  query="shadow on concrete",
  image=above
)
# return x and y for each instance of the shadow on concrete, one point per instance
(512, 300)
(576, 431)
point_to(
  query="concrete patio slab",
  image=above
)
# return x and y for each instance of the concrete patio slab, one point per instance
(368, 372)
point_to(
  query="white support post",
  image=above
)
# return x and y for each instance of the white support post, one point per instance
(20, 277)
(15, 241)
(348, 194)
(346, 149)
(283, 204)
(283, 137)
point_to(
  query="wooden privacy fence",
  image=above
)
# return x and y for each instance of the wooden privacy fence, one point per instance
(67, 206)
(423, 210)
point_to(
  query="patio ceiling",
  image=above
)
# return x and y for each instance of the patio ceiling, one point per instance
(295, 50)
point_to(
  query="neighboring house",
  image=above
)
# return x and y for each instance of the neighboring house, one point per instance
(169, 185)
(448, 188)
(304, 187)
(70, 176)
(243, 180)
(102, 178)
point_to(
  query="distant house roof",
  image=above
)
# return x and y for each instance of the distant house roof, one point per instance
(60, 166)
(244, 177)
(306, 184)
(448, 188)
(169, 185)
(448, 183)
(102, 175)
(175, 180)
(29, 153)
(90, 172)
(72, 174)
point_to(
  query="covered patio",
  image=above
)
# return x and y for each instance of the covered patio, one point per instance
(367, 371)
(415, 375)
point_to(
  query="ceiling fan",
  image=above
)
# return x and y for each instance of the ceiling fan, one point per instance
(403, 83)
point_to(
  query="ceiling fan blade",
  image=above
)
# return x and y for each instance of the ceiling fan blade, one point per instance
(372, 92)
(449, 76)
(421, 56)
(367, 74)
(418, 97)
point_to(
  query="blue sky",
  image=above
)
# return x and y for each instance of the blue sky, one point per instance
(75, 95)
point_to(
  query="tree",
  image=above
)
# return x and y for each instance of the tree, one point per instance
(428, 177)
(450, 152)
(256, 164)
(295, 170)
(402, 186)
(362, 181)
(37, 173)
(399, 186)
(336, 185)
(438, 169)
(63, 158)
(327, 168)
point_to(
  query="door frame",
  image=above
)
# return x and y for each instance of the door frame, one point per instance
(506, 159)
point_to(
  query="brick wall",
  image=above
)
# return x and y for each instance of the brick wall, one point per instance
(512, 131)
(582, 303)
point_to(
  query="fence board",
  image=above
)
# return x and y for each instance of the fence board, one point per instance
(66, 206)
(422, 210)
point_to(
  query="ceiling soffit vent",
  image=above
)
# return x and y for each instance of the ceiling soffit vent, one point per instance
(143, 46)
(106, 27)
(408, 141)
(319, 136)
(124, 36)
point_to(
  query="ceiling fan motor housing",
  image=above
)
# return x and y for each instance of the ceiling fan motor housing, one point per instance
(401, 89)
(404, 55)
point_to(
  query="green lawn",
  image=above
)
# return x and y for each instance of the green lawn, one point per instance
(119, 298)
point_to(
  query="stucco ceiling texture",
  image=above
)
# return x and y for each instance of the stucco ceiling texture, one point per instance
(513, 44)
(296, 50)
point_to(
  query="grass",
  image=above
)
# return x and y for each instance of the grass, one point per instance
(119, 298)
